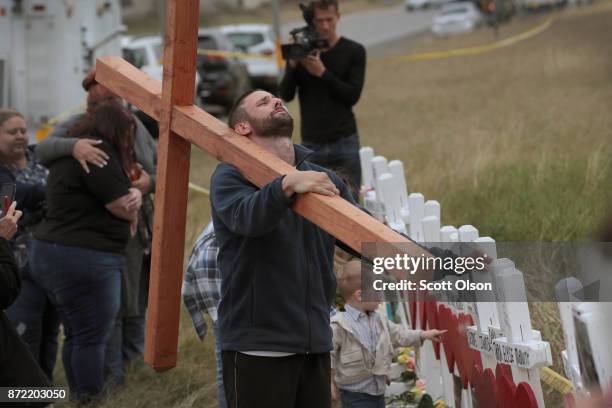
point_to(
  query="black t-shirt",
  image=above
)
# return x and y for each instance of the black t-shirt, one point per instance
(326, 102)
(76, 212)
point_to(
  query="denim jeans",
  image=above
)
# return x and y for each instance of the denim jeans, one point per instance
(84, 285)
(352, 399)
(341, 156)
(220, 388)
(127, 341)
(37, 322)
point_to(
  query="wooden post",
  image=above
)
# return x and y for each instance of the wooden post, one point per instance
(172, 187)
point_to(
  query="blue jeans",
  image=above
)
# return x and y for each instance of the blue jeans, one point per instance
(352, 399)
(127, 341)
(220, 388)
(84, 285)
(341, 156)
(37, 322)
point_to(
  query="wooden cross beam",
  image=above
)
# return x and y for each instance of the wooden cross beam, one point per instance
(183, 124)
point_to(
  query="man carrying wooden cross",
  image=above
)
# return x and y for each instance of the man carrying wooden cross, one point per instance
(276, 267)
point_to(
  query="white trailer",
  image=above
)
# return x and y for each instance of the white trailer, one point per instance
(46, 48)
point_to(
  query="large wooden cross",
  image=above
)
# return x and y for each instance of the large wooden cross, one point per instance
(183, 124)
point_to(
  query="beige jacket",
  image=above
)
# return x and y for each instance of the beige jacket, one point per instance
(351, 362)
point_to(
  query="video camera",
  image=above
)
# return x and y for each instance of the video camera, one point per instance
(305, 39)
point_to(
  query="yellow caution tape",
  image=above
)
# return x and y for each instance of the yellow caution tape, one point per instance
(556, 381)
(470, 50)
(235, 54)
(199, 189)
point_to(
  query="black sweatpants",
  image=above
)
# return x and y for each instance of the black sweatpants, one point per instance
(297, 381)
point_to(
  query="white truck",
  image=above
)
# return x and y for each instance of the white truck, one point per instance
(46, 48)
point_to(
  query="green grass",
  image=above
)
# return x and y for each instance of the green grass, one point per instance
(515, 142)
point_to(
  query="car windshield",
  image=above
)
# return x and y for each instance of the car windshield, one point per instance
(206, 42)
(135, 56)
(246, 40)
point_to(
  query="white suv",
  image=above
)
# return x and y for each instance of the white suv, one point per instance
(146, 54)
(256, 39)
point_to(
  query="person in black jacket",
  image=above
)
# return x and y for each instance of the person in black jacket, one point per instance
(277, 279)
(329, 84)
(17, 365)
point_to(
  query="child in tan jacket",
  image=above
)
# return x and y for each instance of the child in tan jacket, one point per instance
(363, 343)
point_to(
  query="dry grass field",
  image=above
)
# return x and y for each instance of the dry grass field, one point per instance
(515, 142)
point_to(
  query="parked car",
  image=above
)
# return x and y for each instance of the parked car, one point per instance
(146, 54)
(412, 5)
(224, 76)
(257, 39)
(456, 18)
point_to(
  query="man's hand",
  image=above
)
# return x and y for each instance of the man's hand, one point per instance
(309, 182)
(334, 391)
(8, 223)
(144, 182)
(433, 335)
(85, 151)
(134, 200)
(313, 64)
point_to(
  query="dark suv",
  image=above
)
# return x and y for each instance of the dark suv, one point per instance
(223, 76)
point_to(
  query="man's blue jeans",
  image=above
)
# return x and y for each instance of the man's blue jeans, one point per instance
(341, 156)
(84, 285)
(220, 388)
(352, 399)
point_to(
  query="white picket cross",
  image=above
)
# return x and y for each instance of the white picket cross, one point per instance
(593, 333)
(373, 200)
(519, 347)
(366, 154)
(564, 291)
(432, 209)
(388, 186)
(416, 204)
(432, 367)
(396, 168)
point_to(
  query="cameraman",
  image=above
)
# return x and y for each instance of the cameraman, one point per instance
(330, 83)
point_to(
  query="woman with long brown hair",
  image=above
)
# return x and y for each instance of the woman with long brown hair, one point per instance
(78, 250)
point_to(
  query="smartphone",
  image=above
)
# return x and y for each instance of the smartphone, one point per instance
(7, 196)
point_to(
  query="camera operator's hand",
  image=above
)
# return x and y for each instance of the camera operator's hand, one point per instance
(313, 64)
(8, 223)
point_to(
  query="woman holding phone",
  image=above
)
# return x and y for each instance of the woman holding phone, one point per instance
(32, 314)
(17, 366)
(78, 250)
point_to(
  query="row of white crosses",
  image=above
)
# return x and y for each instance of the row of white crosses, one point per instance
(503, 332)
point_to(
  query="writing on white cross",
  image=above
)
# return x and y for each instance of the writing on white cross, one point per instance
(518, 348)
